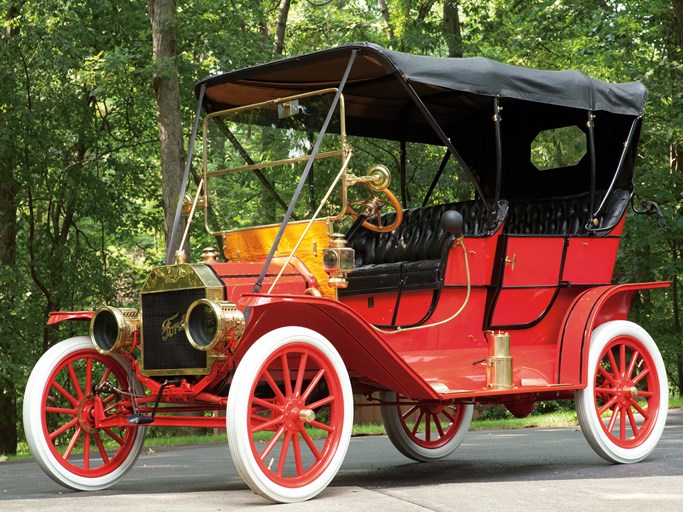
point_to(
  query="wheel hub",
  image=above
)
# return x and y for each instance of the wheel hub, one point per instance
(626, 391)
(295, 414)
(85, 413)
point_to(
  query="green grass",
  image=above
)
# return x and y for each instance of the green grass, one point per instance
(552, 419)
(675, 403)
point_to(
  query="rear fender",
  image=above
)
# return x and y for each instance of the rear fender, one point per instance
(365, 353)
(590, 309)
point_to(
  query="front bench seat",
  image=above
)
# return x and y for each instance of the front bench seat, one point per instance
(413, 256)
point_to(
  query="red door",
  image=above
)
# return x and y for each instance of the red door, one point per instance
(530, 273)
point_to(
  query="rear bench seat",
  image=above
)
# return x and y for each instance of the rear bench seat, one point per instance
(413, 256)
(565, 215)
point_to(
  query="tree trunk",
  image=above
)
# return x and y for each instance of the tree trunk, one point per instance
(451, 28)
(162, 15)
(675, 156)
(8, 232)
(387, 21)
(678, 20)
(9, 190)
(8, 213)
(281, 26)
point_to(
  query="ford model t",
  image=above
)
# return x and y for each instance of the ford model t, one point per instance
(428, 233)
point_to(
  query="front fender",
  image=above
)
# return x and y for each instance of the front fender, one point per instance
(590, 309)
(63, 316)
(366, 354)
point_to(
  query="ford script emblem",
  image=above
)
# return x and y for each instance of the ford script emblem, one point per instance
(171, 326)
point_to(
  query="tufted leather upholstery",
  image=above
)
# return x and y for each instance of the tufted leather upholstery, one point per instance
(415, 251)
(564, 215)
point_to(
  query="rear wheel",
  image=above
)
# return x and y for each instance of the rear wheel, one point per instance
(290, 414)
(623, 409)
(58, 405)
(425, 432)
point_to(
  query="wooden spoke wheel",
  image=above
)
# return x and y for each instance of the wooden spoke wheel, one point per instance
(290, 414)
(425, 432)
(58, 405)
(623, 409)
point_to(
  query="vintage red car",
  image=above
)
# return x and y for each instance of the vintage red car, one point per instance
(486, 277)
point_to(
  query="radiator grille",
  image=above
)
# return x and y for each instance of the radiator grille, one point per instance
(175, 355)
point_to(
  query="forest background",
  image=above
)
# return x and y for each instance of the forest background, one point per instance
(89, 89)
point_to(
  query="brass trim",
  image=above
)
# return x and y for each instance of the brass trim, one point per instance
(307, 415)
(183, 276)
(181, 371)
(511, 261)
(175, 278)
(209, 254)
(273, 163)
(275, 101)
(313, 292)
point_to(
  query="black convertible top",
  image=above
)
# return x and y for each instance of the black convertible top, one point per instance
(376, 66)
(460, 95)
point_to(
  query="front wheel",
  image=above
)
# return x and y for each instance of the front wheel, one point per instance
(290, 414)
(623, 409)
(424, 432)
(58, 405)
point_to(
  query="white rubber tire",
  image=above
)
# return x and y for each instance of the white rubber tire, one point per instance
(239, 408)
(592, 425)
(33, 420)
(404, 443)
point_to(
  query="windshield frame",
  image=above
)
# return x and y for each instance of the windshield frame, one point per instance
(343, 152)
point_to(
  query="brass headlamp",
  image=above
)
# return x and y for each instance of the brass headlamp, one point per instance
(338, 260)
(213, 324)
(112, 329)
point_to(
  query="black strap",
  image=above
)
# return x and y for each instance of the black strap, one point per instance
(437, 176)
(183, 186)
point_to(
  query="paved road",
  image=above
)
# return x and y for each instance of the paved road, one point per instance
(519, 470)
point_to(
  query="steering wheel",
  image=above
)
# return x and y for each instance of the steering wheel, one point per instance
(372, 205)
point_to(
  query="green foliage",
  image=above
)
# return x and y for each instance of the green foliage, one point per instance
(78, 135)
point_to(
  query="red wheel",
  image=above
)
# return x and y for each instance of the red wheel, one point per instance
(623, 409)
(290, 412)
(425, 432)
(60, 397)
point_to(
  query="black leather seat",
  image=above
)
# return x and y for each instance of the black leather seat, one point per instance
(565, 215)
(413, 256)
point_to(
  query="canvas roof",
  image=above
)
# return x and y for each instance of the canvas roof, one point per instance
(459, 93)
(376, 69)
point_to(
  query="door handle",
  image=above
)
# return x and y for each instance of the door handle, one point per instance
(511, 262)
